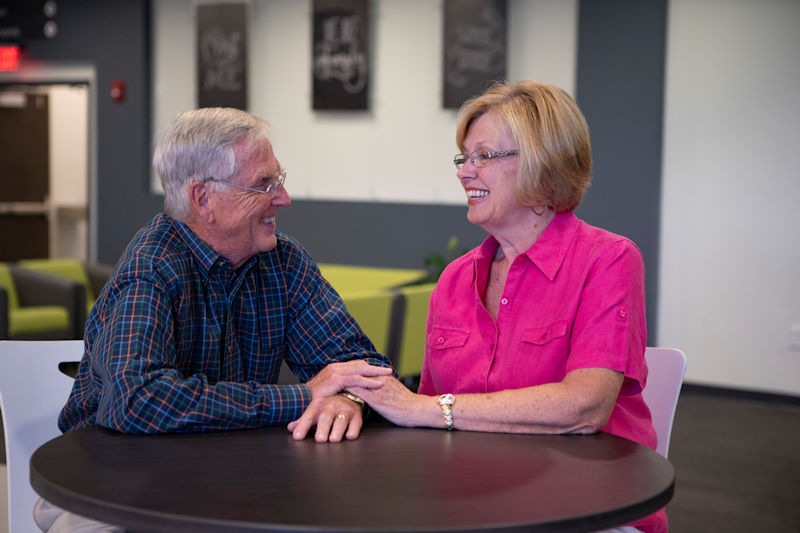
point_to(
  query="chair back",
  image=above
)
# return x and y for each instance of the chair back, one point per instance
(666, 368)
(412, 340)
(32, 393)
(7, 283)
(372, 310)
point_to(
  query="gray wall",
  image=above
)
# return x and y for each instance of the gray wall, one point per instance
(113, 37)
(620, 88)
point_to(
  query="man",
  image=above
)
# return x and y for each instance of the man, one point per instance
(208, 299)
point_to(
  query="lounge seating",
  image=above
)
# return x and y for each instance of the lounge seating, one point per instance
(354, 278)
(91, 276)
(38, 306)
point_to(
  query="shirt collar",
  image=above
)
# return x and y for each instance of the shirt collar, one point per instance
(549, 250)
(205, 256)
(547, 253)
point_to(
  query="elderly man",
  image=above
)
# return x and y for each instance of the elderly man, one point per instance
(208, 300)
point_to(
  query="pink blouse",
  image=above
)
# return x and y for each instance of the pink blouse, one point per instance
(574, 300)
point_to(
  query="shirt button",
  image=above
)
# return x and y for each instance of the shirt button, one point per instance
(440, 340)
(504, 301)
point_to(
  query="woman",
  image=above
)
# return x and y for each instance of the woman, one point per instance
(540, 329)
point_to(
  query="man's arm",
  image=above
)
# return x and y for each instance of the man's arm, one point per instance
(135, 382)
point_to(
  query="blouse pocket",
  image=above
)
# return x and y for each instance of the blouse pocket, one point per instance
(442, 338)
(541, 335)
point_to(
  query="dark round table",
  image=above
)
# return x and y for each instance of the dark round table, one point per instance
(388, 480)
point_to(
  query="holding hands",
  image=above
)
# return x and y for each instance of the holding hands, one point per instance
(334, 415)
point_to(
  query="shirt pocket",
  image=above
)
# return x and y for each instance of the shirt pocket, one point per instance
(541, 335)
(442, 338)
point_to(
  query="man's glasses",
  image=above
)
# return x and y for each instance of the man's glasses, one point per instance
(480, 158)
(269, 191)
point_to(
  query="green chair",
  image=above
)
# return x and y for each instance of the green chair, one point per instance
(354, 278)
(373, 312)
(38, 306)
(411, 324)
(92, 277)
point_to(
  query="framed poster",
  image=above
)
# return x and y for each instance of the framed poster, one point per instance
(222, 55)
(475, 37)
(340, 50)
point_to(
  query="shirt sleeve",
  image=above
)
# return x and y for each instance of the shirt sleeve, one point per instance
(132, 365)
(610, 329)
(320, 329)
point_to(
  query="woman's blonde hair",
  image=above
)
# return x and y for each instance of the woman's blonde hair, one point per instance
(552, 136)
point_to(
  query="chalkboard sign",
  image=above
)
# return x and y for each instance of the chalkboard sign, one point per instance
(341, 61)
(474, 48)
(222, 55)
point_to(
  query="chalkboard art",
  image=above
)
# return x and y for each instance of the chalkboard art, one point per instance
(474, 48)
(340, 62)
(222, 55)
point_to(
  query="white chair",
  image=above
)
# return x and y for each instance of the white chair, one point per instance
(666, 368)
(32, 392)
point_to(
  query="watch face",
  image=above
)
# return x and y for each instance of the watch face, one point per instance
(447, 399)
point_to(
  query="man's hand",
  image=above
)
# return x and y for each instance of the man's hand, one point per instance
(337, 377)
(335, 416)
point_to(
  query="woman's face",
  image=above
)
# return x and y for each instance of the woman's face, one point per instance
(490, 188)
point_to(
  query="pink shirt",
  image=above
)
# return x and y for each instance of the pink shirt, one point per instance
(574, 300)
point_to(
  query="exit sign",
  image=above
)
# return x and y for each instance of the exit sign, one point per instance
(9, 58)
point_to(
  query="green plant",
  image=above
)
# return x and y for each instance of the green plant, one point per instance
(435, 263)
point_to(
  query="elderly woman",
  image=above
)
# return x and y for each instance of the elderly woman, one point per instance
(540, 329)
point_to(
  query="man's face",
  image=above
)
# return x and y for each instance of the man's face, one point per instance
(244, 221)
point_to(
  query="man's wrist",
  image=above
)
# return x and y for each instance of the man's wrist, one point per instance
(353, 397)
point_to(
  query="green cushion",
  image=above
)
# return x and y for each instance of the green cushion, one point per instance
(37, 319)
(352, 278)
(372, 311)
(66, 268)
(412, 347)
(7, 282)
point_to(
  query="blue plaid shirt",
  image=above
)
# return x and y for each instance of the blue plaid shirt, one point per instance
(179, 342)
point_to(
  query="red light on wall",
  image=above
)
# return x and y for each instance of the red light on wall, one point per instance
(9, 58)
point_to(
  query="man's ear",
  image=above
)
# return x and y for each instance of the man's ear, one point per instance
(200, 201)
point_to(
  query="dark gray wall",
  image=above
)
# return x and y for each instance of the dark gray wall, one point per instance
(114, 37)
(397, 235)
(620, 88)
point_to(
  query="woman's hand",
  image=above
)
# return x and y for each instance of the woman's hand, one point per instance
(397, 404)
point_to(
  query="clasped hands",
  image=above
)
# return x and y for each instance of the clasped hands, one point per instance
(334, 415)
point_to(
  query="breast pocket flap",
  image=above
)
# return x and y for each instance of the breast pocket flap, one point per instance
(442, 338)
(544, 334)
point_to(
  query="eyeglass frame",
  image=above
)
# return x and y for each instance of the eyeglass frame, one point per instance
(459, 160)
(268, 192)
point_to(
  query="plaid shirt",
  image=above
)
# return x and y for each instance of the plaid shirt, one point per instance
(178, 342)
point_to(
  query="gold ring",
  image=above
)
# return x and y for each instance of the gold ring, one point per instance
(342, 416)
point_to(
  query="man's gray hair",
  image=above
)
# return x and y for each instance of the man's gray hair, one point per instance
(199, 144)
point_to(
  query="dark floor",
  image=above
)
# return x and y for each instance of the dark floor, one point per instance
(737, 463)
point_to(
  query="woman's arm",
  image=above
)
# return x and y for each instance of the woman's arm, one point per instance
(581, 403)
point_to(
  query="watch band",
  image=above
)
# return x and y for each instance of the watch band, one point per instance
(446, 402)
(353, 397)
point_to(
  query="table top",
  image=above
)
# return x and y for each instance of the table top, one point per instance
(389, 479)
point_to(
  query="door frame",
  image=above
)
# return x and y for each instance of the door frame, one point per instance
(47, 73)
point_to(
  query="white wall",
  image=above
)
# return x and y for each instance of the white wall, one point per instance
(401, 149)
(730, 256)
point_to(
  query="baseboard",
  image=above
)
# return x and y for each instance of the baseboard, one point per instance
(744, 394)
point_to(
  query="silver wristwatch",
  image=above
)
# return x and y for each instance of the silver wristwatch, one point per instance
(446, 402)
